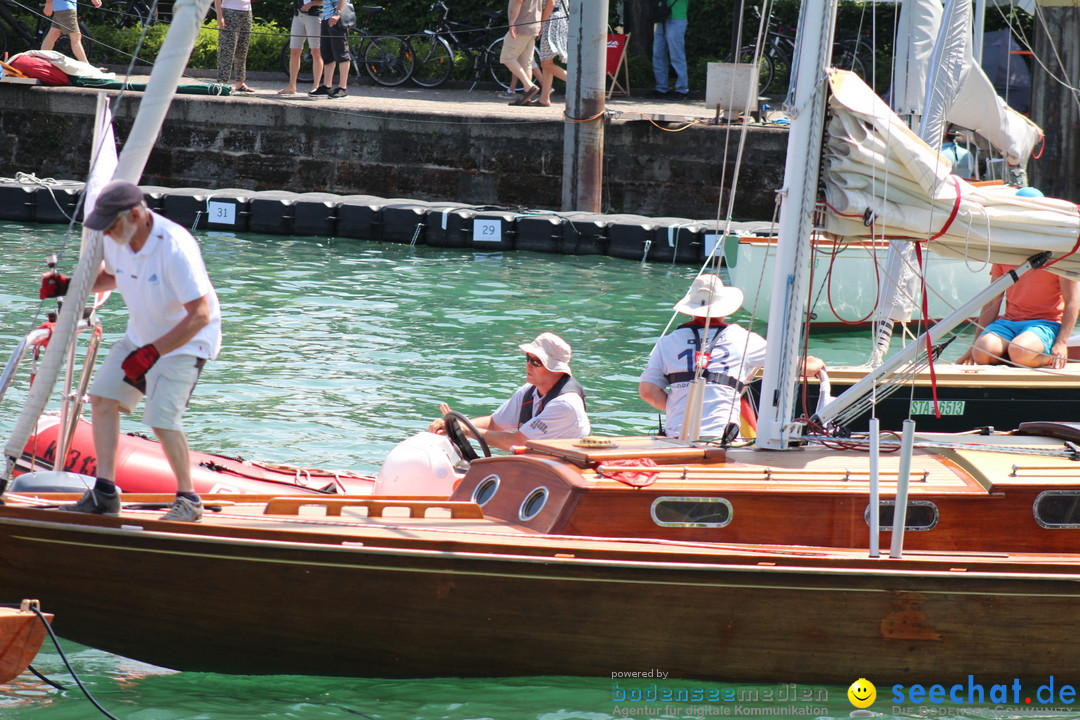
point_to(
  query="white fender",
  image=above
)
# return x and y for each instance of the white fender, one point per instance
(424, 464)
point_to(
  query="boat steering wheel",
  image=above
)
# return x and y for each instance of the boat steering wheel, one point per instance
(454, 420)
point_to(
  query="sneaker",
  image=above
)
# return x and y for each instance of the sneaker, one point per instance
(338, 92)
(682, 97)
(95, 503)
(184, 510)
(321, 90)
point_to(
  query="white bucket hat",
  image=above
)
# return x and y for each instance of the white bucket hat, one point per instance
(553, 351)
(709, 297)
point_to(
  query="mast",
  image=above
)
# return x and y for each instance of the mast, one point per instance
(806, 107)
(168, 70)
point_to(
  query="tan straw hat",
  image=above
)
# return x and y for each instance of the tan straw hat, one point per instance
(709, 297)
(553, 351)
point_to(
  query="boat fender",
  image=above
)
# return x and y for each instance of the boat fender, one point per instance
(424, 464)
(51, 481)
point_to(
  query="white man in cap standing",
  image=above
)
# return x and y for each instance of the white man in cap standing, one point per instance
(734, 355)
(174, 327)
(550, 405)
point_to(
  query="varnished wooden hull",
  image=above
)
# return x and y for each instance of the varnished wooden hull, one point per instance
(485, 600)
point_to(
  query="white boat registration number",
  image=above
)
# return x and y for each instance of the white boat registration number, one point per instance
(947, 407)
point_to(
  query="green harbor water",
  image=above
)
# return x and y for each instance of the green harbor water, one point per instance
(335, 351)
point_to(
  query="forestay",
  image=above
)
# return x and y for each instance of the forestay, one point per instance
(881, 180)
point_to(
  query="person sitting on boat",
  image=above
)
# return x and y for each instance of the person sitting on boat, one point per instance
(734, 356)
(1040, 314)
(550, 405)
(174, 327)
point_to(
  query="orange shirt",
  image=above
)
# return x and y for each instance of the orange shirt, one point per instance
(1037, 296)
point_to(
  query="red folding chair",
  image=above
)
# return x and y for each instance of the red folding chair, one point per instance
(616, 65)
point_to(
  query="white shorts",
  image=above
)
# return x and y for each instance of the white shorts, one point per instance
(305, 27)
(169, 384)
(520, 48)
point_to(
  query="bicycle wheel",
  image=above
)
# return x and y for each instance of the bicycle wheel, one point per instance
(766, 70)
(306, 73)
(388, 59)
(499, 72)
(124, 14)
(433, 60)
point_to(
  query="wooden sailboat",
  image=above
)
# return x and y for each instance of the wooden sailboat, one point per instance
(756, 563)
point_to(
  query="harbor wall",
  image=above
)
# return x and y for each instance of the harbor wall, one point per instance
(302, 146)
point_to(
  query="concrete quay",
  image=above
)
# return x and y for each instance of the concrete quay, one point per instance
(448, 144)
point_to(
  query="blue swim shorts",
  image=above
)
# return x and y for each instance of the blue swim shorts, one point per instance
(1046, 330)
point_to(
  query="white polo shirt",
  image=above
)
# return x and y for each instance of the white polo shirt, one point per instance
(562, 417)
(158, 280)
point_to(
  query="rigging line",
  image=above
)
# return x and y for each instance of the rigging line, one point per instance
(1064, 80)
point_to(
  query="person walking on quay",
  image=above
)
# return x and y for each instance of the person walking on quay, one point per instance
(550, 405)
(65, 21)
(306, 25)
(234, 36)
(520, 43)
(174, 327)
(335, 52)
(553, 42)
(669, 51)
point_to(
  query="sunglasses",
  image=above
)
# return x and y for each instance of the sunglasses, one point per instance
(534, 361)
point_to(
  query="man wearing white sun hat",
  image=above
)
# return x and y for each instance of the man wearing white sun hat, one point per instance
(734, 355)
(550, 405)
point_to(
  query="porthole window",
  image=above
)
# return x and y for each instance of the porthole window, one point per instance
(921, 515)
(1058, 509)
(698, 512)
(533, 504)
(486, 490)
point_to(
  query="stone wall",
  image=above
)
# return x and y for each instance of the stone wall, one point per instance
(210, 142)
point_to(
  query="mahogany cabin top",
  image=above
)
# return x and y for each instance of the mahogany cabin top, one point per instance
(969, 497)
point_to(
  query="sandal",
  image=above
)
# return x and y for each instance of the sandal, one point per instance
(527, 97)
(244, 89)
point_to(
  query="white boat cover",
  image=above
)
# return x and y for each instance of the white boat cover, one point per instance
(881, 180)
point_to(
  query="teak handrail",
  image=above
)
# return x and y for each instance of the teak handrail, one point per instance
(417, 508)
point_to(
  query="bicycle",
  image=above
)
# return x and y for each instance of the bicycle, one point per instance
(435, 50)
(129, 13)
(777, 56)
(387, 59)
(32, 38)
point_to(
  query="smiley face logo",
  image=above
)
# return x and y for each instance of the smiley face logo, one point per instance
(862, 693)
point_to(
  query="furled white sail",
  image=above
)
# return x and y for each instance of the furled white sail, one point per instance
(936, 82)
(867, 141)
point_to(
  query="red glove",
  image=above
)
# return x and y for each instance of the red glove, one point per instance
(137, 363)
(53, 285)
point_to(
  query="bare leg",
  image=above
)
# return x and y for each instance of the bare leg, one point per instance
(519, 72)
(294, 70)
(328, 74)
(1027, 350)
(316, 68)
(551, 71)
(106, 419)
(50, 38)
(343, 73)
(175, 445)
(76, 47)
(989, 349)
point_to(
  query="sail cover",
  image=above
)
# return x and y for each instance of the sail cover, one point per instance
(881, 180)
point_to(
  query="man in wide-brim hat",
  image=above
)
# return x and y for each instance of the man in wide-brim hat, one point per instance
(550, 405)
(734, 356)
